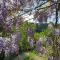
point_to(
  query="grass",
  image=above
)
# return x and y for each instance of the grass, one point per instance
(34, 56)
(30, 56)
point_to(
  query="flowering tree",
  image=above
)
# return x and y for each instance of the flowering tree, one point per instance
(11, 21)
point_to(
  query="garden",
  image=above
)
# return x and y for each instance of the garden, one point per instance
(26, 32)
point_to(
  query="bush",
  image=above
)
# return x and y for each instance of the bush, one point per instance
(24, 46)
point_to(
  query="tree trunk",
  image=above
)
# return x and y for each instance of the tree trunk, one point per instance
(56, 14)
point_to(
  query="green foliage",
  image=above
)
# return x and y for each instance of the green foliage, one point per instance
(23, 44)
(36, 36)
(43, 34)
(1, 29)
(23, 30)
(46, 32)
(33, 56)
(49, 50)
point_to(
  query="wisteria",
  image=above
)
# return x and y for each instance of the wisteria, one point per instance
(1, 44)
(18, 22)
(57, 32)
(39, 47)
(1, 19)
(10, 45)
(14, 49)
(30, 32)
(31, 43)
(50, 58)
(15, 37)
(49, 41)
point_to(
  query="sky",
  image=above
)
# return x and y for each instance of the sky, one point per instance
(29, 17)
(52, 19)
